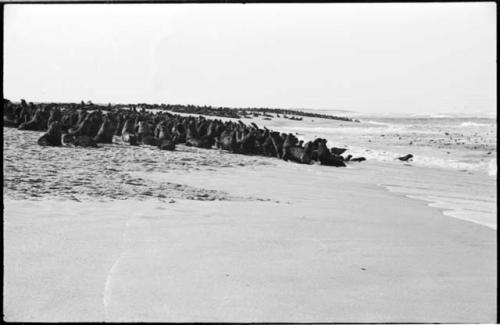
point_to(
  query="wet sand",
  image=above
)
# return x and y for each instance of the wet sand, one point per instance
(135, 234)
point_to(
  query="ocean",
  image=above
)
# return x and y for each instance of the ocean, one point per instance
(454, 167)
(451, 142)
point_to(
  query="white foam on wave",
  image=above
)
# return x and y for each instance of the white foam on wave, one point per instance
(426, 157)
(453, 205)
(426, 161)
(472, 124)
(347, 130)
(376, 123)
(492, 167)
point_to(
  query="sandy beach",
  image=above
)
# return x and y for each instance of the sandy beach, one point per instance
(250, 163)
(137, 234)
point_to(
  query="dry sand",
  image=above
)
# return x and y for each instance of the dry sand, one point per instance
(211, 236)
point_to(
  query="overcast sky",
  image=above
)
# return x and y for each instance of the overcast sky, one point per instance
(415, 58)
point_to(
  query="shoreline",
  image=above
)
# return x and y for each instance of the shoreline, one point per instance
(344, 253)
(219, 231)
(449, 210)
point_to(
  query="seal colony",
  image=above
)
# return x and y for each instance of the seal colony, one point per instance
(87, 125)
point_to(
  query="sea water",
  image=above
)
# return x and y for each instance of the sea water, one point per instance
(454, 167)
(450, 142)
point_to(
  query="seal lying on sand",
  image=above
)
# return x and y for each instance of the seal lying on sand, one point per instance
(192, 138)
(86, 127)
(37, 123)
(245, 141)
(119, 126)
(9, 114)
(325, 157)
(88, 124)
(128, 134)
(105, 134)
(79, 141)
(165, 141)
(166, 144)
(52, 137)
(298, 154)
(54, 115)
(145, 134)
(277, 142)
(226, 140)
(7, 122)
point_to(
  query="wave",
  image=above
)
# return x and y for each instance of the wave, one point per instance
(432, 158)
(489, 167)
(377, 123)
(469, 124)
(492, 167)
(347, 130)
(476, 211)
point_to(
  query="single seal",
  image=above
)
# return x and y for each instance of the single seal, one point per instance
(52, 137)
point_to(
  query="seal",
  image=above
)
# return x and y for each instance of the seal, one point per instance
(325, 157)
(78, 141)
(298, 154)
(52, 137)
(337, 151)
(9, 114)
(145, 134)
(165, 140)
(192, 138)
(226, 140)
(54, 115)
(128, 134)
(37, 123)
(406, 158)
(105, 133)
(86, 127)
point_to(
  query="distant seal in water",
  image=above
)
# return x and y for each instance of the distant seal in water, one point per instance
(52, 137)
(405, 158)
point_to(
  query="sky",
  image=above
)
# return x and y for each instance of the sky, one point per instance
(369, 58)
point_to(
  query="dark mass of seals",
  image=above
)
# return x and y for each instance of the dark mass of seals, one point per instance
(87, 125)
